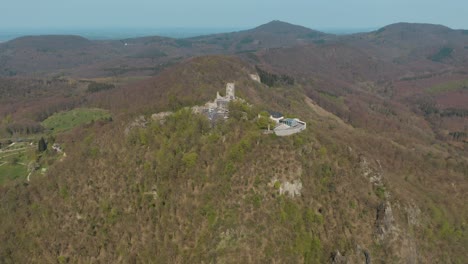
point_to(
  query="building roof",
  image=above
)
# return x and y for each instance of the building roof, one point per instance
(275, 114)
(281, 127)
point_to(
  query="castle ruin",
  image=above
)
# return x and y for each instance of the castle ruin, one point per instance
(219, 108)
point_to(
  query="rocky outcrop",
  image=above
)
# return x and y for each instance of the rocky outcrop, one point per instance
(138, 122)
(367, 256)
(161, 117)
(388, 233)
(413, 214)
(384, 223)
(337, 258)
(290, 188)
(375, 176)
(396, 241)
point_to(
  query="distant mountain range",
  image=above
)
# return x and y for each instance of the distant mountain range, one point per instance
(60, 54)
(124, 33)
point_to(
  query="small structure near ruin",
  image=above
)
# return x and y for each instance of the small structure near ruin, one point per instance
(219, 108)
(255, 77)
(57, 148)
(287, 126)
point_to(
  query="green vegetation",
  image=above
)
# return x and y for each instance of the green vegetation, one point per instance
(183, 43)
(272, 79)
(442, 228)
(459, 135)
(380, 30)
(264, 122)
(331, 97)
(448, 87)
(64, 121)
(306, 243)
(97, 87)
(204, 192)
(10, 172)
(247, 40)
(320, 41)
(14, 162)
(152, 53)
(314, 34)
(449, 112)
(380, 192)
(442, 54)
(42, 145)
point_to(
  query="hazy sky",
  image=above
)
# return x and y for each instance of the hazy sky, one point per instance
(228, 13)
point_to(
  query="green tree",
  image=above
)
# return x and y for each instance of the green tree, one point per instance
(42, 145)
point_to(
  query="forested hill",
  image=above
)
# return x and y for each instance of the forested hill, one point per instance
(103, 160)
(182, 190)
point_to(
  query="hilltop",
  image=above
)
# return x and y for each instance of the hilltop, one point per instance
(49, 42)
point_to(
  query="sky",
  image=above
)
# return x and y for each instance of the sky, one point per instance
(316, 14)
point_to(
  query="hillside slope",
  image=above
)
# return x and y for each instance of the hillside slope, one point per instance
(383, 75)
(182, 190)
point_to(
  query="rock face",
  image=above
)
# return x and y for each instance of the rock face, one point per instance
(337, 258)
(138, 122)
(384, 223)
(375, 176)
(393, 237)
(396, 241)
(292, 189)
(160, 116)
(367, 256)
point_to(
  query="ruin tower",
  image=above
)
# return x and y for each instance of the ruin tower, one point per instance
(230, 91)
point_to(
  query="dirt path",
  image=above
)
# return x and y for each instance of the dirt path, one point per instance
(13, 150)
(8, 155)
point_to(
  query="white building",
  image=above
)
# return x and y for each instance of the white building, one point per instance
(287, 126)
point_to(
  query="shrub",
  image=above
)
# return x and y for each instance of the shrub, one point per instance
(272, 79)
(190, 159)
(380, 192)
(442, 54)
(96, 87)
(42, 145)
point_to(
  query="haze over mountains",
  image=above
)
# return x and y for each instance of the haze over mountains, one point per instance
(55, 52)
(124, 33)
(382, 165)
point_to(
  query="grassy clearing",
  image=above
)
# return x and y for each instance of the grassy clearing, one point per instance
(13, 162)
(448, 87)
(64, 121)
(10, 172)
(17, 159)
